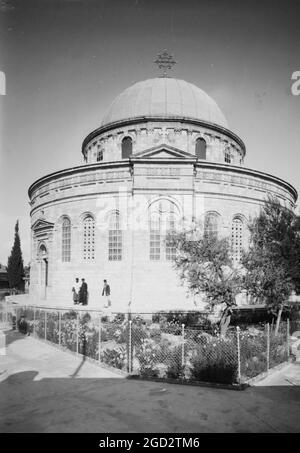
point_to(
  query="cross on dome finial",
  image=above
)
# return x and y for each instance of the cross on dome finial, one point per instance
(165, 61)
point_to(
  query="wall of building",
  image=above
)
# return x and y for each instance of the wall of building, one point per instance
(99, 190)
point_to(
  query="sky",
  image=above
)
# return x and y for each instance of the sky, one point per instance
(66, 60)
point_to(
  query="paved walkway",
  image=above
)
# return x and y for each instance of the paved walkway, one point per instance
(43, 389)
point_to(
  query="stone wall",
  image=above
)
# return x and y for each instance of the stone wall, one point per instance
(99, 190)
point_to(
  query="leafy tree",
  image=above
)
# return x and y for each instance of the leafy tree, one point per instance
(273, 259)
(15, 269)
(203, 263)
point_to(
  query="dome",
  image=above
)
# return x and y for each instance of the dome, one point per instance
(164, 97)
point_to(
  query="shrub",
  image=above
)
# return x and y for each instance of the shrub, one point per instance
(68, 334)
(171, 327)
(119, 318)
(121, 334)
(88, 342)
(175, 369)
(215, 361)
(138, 334)
(114, 357)
(278, 350)
(155, 333)
(138, 320)
(150, 372)
(69, 315)
(203, 369)
(85, 318)
(104, 336)
(148, 354)
(253, 347)
(253, 366)
(52, 327)
(155, 318)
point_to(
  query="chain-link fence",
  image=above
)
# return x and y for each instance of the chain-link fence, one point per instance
(158, 345)
(295, 327)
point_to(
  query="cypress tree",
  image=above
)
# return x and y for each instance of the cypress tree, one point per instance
(15, 268)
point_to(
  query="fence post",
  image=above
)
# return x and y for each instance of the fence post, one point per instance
(77, 331)
(5, 306)
(59, 328)
(182, 344)
(129, 348)
(99, 342)
(288, 338)
(45, 324)
(268, 346)
(34, 321)
(238, 354)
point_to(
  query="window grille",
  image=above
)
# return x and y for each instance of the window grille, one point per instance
(114, 238)
(170, 250)
(89, 238)
(211, 226)
(227, 158)
(155, 237)
(66, 240)
(162, 221)
(99, 154)
(237, 233)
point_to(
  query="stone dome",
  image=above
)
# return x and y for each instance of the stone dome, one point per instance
(164, 97)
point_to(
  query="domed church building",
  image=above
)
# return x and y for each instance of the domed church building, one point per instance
(162, 156)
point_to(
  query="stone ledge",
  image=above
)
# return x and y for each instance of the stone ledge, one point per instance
(242, 386)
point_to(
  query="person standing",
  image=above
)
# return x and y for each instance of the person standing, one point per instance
(83, 292)
(106, 294)
(76, 289)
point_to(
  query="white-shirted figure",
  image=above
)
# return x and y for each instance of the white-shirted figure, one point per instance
(75, 290)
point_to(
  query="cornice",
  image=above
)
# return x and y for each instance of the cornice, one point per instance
(75, 170)
(129, 163)
(249, 172)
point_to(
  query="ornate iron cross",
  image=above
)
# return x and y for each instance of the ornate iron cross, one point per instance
(165, 61)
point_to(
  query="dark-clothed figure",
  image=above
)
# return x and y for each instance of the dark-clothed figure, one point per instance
(23, 326)
(83, 292)
(106, 294)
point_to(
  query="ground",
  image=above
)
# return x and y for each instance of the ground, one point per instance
(43, 389)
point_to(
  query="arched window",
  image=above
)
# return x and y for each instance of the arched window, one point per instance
(237, 234)
(66, 240)
(227, 157)
(114, 238)
(155, 236)
(201, 148)
(89, 238)
(43, 256)
(211, 224)
(126, 147)
(42, 251)
(162, 221)
(99, 154)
